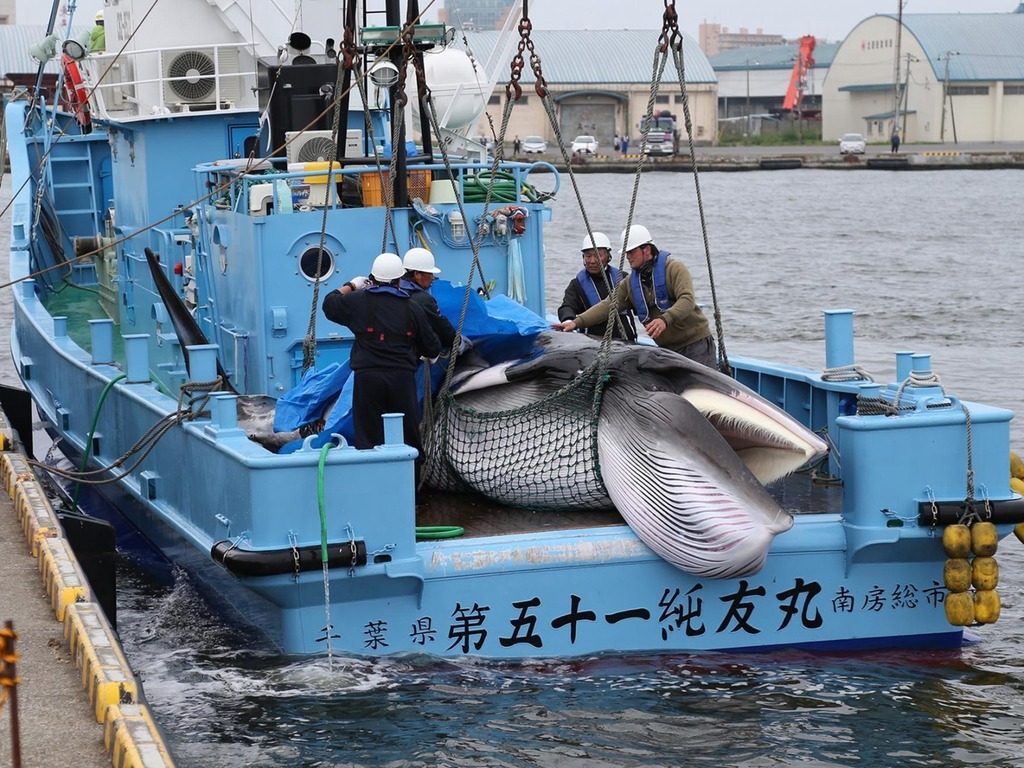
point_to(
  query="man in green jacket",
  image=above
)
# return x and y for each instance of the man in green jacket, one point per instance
(98, 36)
(660, 291)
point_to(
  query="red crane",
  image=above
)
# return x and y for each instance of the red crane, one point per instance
(798, 80)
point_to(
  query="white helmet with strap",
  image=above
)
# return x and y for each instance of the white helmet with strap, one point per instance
(600, 240)
(386, 268)
(420, 260)
(635, 236)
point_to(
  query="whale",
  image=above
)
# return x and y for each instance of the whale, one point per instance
(683, 452)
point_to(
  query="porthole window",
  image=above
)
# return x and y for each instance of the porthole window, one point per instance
(308, 261)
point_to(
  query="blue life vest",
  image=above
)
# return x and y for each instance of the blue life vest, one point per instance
(661, 297)
(589, 285)
(389, 289)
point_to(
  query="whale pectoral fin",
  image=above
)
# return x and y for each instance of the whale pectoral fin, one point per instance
(681, 488)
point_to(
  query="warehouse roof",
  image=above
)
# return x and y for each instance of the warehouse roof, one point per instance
(771, 57)
(16, 39)
(593, 56)
(980, 46)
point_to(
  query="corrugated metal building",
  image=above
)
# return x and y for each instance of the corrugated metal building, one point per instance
(600, 83)
(959, 74)
(15, 41)
(754, 80)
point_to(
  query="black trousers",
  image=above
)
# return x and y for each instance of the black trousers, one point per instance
(377, 391)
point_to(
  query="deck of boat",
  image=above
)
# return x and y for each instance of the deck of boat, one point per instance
(800, 493)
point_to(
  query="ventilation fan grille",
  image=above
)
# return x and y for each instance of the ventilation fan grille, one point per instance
(310, 147)
(191, 76)
(319, 149)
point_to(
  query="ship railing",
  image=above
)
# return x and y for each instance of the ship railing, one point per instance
(158, 82)
(263, 187)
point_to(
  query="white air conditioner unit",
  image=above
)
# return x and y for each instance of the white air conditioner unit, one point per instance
(318, 146)
(191, 76)
(310, 146)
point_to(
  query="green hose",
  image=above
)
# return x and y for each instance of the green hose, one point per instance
(503, 184)
(92, 429)
(320, 501)
(439, 531)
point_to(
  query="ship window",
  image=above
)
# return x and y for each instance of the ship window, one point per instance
(307, 264)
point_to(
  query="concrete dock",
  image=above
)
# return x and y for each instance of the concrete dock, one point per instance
(78, 702)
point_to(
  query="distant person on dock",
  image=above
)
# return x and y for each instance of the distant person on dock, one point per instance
(98, 35)
(420, 272)
(392, 333)
(895, 140)
(615, 142)
(516, 146)
(588, 288)
(660, 291)
(624, 143)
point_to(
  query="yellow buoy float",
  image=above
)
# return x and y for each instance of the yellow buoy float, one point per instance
(956, 540)
(960, 608)
(986, 606)
(1016, 466)
(984, 573)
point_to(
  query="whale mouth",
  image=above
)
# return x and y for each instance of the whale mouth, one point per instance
(770, 442)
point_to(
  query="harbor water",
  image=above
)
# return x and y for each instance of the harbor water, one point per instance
(928, 261)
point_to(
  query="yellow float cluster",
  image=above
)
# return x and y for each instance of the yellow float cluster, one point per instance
(971, 565)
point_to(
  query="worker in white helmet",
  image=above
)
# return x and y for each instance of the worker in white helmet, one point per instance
(392, 333)
(591, 285)
(660, 291)
(98, 35)
(420, 272)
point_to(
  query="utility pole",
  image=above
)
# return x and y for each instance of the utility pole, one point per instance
(896, 76)
(906, 94)
(945, 94)
(748, 96)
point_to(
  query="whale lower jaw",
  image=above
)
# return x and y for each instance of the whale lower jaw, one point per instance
(770, 442)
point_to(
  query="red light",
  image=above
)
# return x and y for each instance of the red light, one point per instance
(179, 268)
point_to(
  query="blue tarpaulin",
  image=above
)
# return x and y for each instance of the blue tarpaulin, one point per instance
(499, 328)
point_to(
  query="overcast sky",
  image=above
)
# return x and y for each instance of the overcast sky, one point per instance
(827, 19)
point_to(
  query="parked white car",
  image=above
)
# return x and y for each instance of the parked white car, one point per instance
(585, 144)
(534, 145)
(852, 144)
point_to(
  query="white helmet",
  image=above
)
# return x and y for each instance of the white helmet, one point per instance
(387, 267)
(420, 260)
(99, 15)
(635, 236)
(600, 240)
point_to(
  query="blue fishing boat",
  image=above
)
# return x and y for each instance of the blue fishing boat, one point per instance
(180, 215)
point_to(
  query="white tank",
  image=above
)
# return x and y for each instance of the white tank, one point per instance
(459, 89)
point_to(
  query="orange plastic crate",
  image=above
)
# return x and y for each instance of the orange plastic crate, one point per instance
(418, 182)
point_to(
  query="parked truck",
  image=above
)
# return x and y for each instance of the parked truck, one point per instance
(663, 135)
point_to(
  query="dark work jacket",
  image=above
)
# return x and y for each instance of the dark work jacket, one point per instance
(444, 329)
(575, 302)
(391, 330)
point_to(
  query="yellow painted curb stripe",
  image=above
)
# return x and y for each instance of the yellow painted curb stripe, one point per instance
(6, 432)
(35, 514)
(130, 733)
(106, 674)
(132, 738)
(65, 583)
